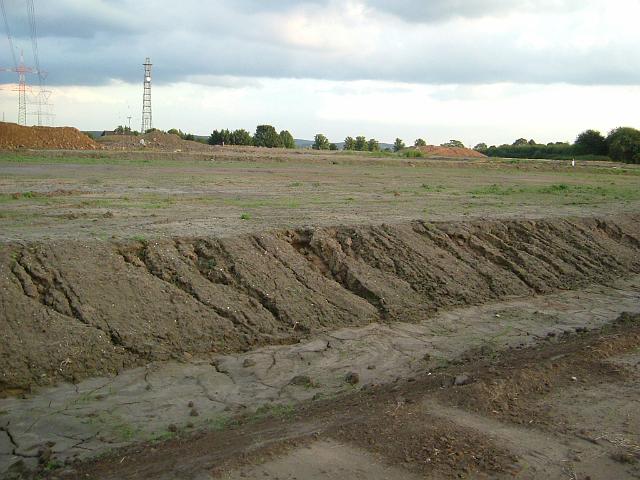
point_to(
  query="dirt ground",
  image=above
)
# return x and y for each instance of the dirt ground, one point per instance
(111, 195)
(73, 309)
(252, 313)
(566, 408)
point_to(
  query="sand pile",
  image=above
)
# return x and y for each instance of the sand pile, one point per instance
(450, 152)
(154, 141)
(13, 136)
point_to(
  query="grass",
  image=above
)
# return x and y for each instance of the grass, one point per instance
(245, 216)
(581, 192)
(412, 154)
(140, 238)
(432, 188)
(163, 436)
(270, 410)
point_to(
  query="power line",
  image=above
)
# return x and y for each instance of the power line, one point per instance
(33, 30)
(6, 28)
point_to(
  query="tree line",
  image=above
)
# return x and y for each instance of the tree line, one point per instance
(621, 144)
(264, 136)
(359, 144)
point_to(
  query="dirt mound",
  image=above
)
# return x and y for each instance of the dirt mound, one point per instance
(449, 152)
(75, 309)
(13, 136)
(154, 141)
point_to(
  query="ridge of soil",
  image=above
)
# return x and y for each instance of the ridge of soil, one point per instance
(72, 310)
(450, 152)
(156, 140)
(14, 136)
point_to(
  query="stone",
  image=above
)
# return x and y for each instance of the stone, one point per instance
(463, 379)
(352, 378)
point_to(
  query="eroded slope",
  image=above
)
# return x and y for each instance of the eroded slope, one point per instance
(77, 309)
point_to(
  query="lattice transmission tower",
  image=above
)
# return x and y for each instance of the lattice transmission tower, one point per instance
(42, 97)
(146, 98)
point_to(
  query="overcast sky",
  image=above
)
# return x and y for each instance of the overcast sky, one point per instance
(474, 70)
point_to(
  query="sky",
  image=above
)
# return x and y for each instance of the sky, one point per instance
(475, 70)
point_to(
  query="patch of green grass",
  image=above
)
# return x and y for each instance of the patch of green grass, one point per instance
(159, 437)
(245, 216)
(582, 193)
(556, 188)
(140, 238)
(221, 423)
(125, 431)
(494, 190)
(295, 184)
(53, 465)
(412, 154)
(269, 410)
(431, 188)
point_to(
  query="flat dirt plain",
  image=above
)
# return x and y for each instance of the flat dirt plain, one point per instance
(251, 313)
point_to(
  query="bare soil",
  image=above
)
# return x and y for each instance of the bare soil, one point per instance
(77, 309)
(244, 313)
(156, 140)
(450, 152)
(120, 195)
(14, 136)
(434, 425)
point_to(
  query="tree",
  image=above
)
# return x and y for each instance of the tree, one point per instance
(287, 139)
(624, 144)
(123, 130)
(480, 146)
(349, 144)
(398, 145)
(266, 136)
(454, 144)
(373, 145)
(215, 138)
(590, 142)
(241, 137)
(320, 142)
(333, 146)
(520, 141)
(361, 144)
(419, 143)
(532, 142)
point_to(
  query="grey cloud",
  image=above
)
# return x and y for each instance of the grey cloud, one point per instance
(227, 42)
(441, 10)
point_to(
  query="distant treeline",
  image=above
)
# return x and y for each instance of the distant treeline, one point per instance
(622, 144)
(265, 136)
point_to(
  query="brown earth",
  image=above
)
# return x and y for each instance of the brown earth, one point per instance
(433, 425)
(156, 140)
(73, 309)
(449, 152)
(14, 136)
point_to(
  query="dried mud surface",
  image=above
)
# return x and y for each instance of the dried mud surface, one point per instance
(72, 310)
(433, 425)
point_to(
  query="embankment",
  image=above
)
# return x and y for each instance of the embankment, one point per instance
(76, 309)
